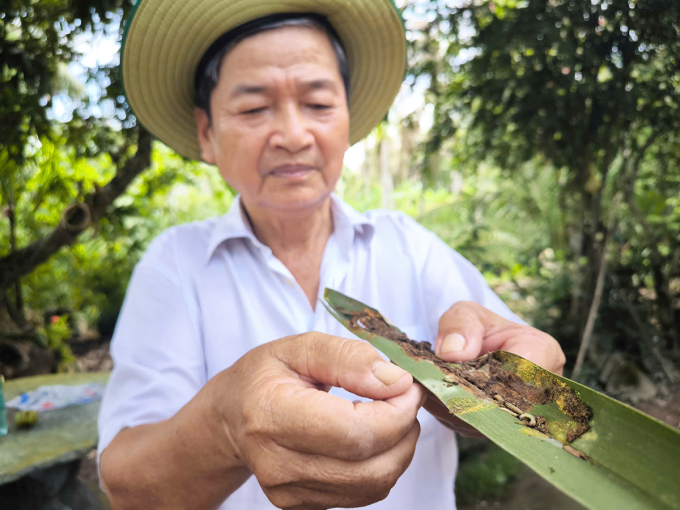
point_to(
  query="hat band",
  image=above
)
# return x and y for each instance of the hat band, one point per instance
(245, 30)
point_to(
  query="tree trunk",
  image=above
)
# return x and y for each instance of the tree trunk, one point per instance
(593, 236)
(20, 353)
(16, 309)
(585, 275)
(409, 134)
(576, 245)
(594, 306)
(76, 218)
(8, 326)
(664, 303)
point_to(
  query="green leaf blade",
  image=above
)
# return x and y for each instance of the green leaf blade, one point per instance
(633, 460)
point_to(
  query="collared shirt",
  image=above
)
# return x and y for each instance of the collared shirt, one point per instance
(205, 293)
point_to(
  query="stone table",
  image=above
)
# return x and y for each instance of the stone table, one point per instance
(39, 466)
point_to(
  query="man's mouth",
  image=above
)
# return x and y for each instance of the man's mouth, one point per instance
(291, 171)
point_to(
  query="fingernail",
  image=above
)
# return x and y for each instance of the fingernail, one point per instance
(388, 373)
(452, 343)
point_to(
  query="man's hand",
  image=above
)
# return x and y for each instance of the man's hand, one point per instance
(467, 330)
(270, 414)
(306, 447)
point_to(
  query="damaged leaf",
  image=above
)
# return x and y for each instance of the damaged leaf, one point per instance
(542, 401)
(601, 452)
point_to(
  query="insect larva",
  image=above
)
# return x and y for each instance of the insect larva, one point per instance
(513, 407)
(509, 411)
(528, 417)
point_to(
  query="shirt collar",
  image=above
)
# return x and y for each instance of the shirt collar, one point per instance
(347, 222)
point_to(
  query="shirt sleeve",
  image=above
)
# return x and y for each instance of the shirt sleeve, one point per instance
(448, 277)
(444, 276)
(158, 355)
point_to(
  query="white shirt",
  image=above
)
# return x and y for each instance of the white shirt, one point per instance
(205, 293)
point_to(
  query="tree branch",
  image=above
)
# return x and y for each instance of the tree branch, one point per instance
(641, 153)
(595, 304)
(629, 192)
(77, 217)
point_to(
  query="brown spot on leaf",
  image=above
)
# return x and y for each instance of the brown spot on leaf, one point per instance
(486, 377)
(575, 452)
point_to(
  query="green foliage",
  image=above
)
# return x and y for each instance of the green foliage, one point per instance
(48, 163)
(66, 128)
(37, 43)
(590, 93)
(410, 196)
(501, 222)
(570, 80)
(485, 476)
(498, 222)
(52, 177)
(57, 332)
(91, 277)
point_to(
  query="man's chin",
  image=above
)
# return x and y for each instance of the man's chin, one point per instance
(296, 200)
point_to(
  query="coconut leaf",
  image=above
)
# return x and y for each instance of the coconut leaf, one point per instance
(602, 453)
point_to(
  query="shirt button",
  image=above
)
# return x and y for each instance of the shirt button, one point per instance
(289, 282)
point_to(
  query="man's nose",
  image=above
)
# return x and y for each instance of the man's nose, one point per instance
(291, 130)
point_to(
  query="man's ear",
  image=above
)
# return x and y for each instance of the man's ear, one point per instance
(205, 135)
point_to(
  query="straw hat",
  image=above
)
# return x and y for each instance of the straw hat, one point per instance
(164, 41)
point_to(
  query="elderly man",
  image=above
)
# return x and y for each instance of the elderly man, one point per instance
(232, 388)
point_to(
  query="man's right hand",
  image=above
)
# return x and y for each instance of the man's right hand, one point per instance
(306, 447)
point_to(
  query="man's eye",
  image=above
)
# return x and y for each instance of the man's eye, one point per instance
(319, 106)
(254, 111)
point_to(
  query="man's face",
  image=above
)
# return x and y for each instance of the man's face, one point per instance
(280, 122)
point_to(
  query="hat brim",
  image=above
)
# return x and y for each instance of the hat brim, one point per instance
(164, 41)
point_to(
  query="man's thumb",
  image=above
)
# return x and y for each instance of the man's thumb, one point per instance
(350, 364)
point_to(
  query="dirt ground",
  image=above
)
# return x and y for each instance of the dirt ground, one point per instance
(93, 358)
(665, 409)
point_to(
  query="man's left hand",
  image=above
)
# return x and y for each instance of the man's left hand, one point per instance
(467, 330)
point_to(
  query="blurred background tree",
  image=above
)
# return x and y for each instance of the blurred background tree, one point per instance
(69, 148)
(588, 91)
(42, 158)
